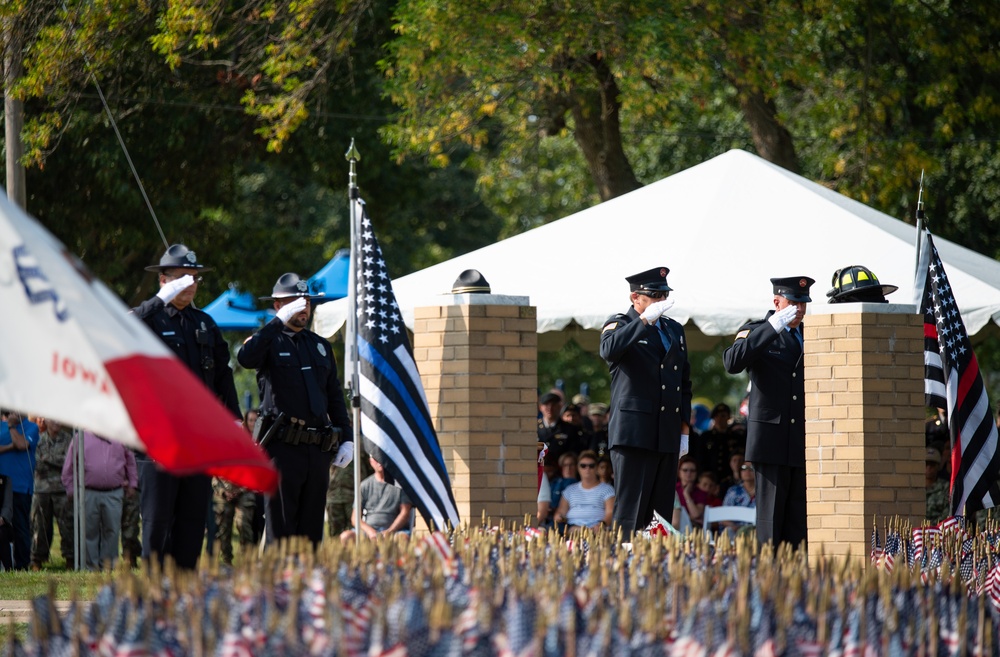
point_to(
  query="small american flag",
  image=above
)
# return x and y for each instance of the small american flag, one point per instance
(952, 381)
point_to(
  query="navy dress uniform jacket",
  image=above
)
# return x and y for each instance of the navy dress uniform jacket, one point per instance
(650, 386)
(776, 427)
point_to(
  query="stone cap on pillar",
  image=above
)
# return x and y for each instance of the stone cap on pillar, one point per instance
(477, 299)
(862, 307)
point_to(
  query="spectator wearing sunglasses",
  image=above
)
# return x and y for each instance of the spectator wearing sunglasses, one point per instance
(650, 410)
(589, 502)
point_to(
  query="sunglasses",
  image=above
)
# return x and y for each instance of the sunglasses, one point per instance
(654, 295)
(746, 467)
(587, 466)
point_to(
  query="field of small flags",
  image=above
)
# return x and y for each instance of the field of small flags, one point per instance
(492, 592)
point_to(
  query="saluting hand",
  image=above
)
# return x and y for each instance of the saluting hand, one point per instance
(782, 318)
(655, 310)
(289, 310)
(172, 288)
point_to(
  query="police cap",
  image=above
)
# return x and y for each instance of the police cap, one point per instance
(470, 281)
(290, 285)
(793, 288)
(548, 398)
(651, 280)
(178, 256)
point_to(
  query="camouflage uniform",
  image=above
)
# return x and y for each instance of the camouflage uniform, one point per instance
(50, 501)
(227, 499)
(938, 504)
(340, 496)
(131, 537)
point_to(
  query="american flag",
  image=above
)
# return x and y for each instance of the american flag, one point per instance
(952, 381)
(394, 412)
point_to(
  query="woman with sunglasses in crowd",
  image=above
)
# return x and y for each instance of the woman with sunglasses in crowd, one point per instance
(589, 503)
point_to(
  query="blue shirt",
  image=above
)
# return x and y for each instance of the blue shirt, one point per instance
(18, 465)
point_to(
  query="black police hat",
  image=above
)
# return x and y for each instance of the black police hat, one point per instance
(652, 280)
(793, 288)
(858, 283)
(549, 397)
(470, 281)
(289, 286)
(176, 257)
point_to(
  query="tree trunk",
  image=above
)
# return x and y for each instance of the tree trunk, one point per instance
(772, 139)
(13, 110)
(597, 130)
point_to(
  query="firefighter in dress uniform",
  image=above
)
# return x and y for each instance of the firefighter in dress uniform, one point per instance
(770, 350)
(650, 401)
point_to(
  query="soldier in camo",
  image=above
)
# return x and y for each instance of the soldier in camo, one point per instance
(131, 531)
(227, 500)
(50, 502)
(938, 502)
(340, 496)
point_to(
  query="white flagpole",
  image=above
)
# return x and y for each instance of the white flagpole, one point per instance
(920, 225)
(351, 370)
(79, 507)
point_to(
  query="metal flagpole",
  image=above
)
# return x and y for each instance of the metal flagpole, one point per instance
(79, 516)
(920, 224)
(351, 372)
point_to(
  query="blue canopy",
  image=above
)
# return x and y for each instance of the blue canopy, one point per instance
(235, 310)
(332, 278)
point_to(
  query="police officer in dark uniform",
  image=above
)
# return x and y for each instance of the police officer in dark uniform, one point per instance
(770, 350)
(858, 284)
(650, 401)
(175, 509)
(303, 415)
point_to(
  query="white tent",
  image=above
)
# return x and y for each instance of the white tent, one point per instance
(723, 227)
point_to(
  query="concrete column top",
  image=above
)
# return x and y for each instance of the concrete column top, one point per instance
(478, 300)
(855, 308)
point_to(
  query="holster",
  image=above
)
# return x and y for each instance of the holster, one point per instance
(331, 439)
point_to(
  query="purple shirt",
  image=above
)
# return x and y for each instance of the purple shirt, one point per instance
(106, 465)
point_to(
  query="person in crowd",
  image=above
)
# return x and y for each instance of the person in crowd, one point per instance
(693, 499)
(6, 522)
(647, 357)
(303, 415)
(715, 445)
(734, 476)
(771, 351)
(582, 402)
(858, 284)
(131, 527)
(938, 498)
(742, 494)
(589, 502)
(605, 470)
(557, 434)
(109, 474)
(385, 508)
(340, 497)
(599, 435)
(18, 442)
(228, 501)
(175, 509)
(567, 477)
(49, 504)
(707, 484)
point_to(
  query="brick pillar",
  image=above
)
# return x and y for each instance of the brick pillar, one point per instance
(478, 359)
(864, 422)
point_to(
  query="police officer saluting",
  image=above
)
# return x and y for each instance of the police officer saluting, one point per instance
(650, 400)
(303, 414)
(174, 509)
(770, 349)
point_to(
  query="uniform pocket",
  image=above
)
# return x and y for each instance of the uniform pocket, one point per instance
(635, 405)
(769, 415)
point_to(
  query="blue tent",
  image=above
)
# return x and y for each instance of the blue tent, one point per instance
(332, 278)
(235, 310)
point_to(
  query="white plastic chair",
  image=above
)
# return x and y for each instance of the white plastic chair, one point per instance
(729, 514)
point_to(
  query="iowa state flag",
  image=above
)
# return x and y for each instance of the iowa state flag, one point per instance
(73, 353)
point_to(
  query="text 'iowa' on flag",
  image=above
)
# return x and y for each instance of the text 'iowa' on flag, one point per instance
(952, 381)
(394, 412)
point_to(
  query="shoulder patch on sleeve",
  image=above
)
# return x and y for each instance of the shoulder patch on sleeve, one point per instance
(742, 334)
(610, 327)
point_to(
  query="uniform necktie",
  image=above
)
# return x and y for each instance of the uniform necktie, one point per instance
(317, 405)
(664, 334)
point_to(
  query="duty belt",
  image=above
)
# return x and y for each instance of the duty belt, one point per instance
(299, 432)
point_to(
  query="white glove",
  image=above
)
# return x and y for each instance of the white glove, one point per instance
(289, 310)
(781, 319)
(684, 445)
(654, 310)
(172, 288)
(344, 455)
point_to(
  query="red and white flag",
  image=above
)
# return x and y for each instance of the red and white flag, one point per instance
(73, 353)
